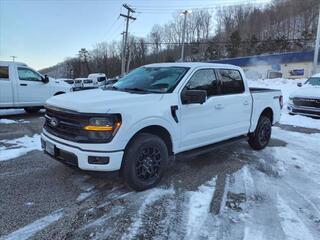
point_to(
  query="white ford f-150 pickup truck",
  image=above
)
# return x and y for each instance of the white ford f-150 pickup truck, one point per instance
(23, 87)
(154, 113)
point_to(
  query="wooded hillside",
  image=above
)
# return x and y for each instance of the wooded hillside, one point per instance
(232, 31)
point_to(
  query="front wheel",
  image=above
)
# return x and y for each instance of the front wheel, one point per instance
(260, 138)
(145, 161)
(32, 109)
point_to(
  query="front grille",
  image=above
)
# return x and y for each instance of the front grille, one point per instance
(66, 125)
(307, 102)
(309, 112)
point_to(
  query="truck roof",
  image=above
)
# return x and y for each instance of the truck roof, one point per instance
(8, 63)
(193, 65)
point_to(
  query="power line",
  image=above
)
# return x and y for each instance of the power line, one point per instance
(224, 42)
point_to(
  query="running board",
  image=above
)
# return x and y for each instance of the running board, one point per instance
(209, 148)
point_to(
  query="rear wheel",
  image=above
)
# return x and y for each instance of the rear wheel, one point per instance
(145, 161)
(32, 109)
(260, 138)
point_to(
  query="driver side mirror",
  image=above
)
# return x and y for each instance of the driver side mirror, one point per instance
(45, 79)
(193, 96)
(299, 84)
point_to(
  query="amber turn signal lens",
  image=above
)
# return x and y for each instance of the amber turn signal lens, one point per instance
(98, 128)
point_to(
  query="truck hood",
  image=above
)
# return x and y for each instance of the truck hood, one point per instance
(307, 92)
(101, 101)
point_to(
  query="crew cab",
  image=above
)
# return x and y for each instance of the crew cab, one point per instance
(306, 100)
(154, 113)
(23, 87)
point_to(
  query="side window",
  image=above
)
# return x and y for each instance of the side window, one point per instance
(28, 74)
(204, 79)
(4, 73)
(231, 81)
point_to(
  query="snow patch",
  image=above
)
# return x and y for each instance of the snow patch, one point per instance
(199, 205)
(300, 121)
(35, 227)
(11, 149)
(9, 121)
(152, 196)
(13, 111)
(291, 223)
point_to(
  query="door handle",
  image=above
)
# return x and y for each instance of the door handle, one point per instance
(23, 84)
(218, 106)
(246, 103)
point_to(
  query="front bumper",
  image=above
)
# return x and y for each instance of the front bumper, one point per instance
(304, 111)
(78, 157)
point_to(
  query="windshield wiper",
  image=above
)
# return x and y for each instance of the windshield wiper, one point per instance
(135, 89)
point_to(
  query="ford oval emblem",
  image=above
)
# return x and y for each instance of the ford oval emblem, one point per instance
(54, 122)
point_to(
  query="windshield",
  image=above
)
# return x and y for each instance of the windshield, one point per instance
(152, 79)
(314, 81)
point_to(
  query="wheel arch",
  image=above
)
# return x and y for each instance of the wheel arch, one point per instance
(267, 112)
(159, 131)
(58, 93)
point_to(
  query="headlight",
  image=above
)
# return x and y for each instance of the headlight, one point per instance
(103, 128)
(290, 98)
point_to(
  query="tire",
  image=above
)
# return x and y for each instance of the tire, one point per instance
(145, 161)
(260, 138)
(32, 109)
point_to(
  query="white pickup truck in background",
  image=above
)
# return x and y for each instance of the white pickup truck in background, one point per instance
(154, 113)
(23, 87)
(306, 100)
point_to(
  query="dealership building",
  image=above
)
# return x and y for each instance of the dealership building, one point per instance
(287, 65)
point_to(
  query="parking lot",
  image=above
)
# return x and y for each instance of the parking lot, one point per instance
(231, 193)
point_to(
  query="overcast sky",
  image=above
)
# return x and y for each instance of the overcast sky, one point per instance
(42, 33)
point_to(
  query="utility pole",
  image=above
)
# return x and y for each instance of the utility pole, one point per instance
(123, 62)
(13, 58)
(184, 32)
(316, 49)
(127, 17)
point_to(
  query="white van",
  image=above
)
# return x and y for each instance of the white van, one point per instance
(23, 87)
(99, 79)
(86, 83)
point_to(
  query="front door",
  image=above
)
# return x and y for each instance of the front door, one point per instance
(200, 123)
(31, 89)
(6, 90)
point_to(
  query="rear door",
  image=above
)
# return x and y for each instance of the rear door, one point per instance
(6, 90)
(31, 89)
(234, 103)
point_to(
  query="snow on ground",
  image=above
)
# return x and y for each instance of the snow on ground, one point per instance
(287, 86)
(199, 204)
(30, 230)
(12, 111)
(9, 121)
(10, 149)
(276, 196)
(150, 197)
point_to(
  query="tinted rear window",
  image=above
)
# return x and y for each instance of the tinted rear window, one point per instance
(100, 79)
(4, 73)
(231, 81)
